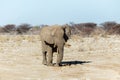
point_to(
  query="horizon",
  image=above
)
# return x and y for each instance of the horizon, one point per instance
(52, 12)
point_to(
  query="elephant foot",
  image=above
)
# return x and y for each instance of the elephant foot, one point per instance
(50, 64)
(57, 65)
(44, 62)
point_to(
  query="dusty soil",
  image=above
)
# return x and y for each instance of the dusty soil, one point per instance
(94, 58)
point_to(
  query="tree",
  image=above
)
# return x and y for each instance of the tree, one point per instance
(23, 28)
(9, 28)
(108, 25)
(82, 28)
(115, 29)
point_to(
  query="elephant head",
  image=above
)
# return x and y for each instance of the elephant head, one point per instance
(53, 39)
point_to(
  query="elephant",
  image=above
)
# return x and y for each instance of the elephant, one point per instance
(53, 39)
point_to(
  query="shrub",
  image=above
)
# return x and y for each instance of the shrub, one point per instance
(23, 28)
(98, 31)
(108, 25)
(115, 29)
(9, 28)
(83, 29)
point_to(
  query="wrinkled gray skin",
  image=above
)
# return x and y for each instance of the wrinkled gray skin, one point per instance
(53, 39)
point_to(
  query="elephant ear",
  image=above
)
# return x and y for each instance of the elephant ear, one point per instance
(67, 32)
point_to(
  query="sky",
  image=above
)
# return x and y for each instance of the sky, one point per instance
(37, 12)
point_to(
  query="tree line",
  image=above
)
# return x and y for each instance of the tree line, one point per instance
(82, 29)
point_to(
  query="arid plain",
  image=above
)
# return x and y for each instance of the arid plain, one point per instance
(88, 58)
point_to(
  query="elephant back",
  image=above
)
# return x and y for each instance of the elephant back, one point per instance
(52, 34)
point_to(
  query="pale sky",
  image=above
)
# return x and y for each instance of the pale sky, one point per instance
(36, 12)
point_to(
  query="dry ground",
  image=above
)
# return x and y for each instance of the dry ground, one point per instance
(93, 58)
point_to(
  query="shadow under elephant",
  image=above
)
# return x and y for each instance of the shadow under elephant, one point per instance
(69, 63)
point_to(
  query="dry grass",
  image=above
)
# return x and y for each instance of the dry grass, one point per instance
(90, 58)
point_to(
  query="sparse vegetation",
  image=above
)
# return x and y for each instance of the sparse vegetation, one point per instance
(23, 28)
(9, 28)
(81, 29)
(96, 50)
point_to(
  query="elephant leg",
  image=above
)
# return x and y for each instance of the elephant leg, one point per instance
(44, 58)
(59, 56)
(44, 46)
(50, 56)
